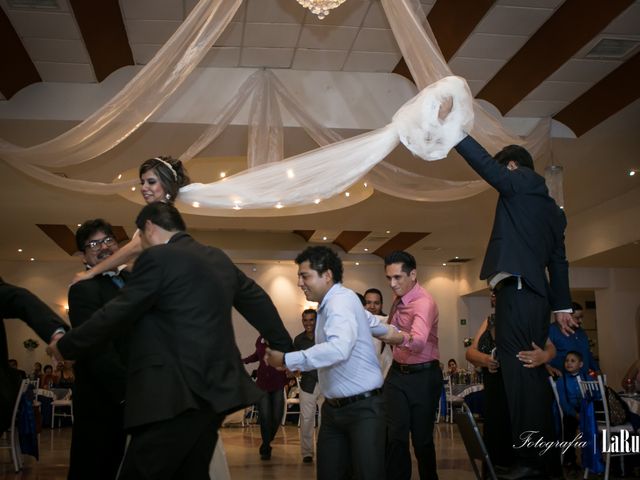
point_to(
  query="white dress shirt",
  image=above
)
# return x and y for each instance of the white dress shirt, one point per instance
(344, 354)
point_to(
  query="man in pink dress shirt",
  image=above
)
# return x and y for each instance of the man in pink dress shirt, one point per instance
(414, 383)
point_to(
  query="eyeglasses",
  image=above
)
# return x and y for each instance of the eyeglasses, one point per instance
(96, 245)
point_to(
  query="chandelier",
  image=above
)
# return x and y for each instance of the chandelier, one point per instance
(320, 8)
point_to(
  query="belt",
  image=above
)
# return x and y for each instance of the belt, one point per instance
(513, 280)
(407, 368)
(341, 402)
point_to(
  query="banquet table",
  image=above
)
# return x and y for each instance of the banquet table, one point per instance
(45, 397)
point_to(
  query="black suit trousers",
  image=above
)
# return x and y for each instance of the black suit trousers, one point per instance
(522, 317)
(412, 403)
(351, 441)
(176, 449)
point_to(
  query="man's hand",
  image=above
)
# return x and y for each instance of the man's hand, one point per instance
(565, 321)
(52, 349)
(533, 358)
(445, 108)
(392, 337)
(274, 358)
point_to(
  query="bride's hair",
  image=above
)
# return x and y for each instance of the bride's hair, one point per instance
(170, 172)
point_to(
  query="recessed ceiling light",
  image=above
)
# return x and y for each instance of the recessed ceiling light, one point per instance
(119, 176)
(357, 263)
(444, 264)
(196, 204)
(324, 238)
(79, 224)
(133, 189)
(346, 194)
(290, 173)
(388, 231)
(365, 185)
(632, 172)
(19, 250)
(316, 201)
(279, 205)
(366, 249)
(457, 258)
(32, 259)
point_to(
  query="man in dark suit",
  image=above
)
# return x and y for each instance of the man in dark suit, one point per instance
(184, 368)
(97, 443)
(17, 302)
(527, 241)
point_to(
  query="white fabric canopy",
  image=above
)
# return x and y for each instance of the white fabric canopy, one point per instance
(306, 178)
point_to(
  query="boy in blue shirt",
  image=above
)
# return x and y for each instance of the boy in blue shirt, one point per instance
(570, 400)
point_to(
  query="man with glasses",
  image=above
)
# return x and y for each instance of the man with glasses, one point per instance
(97, 443)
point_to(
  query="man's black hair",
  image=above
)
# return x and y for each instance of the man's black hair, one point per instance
(322, 259)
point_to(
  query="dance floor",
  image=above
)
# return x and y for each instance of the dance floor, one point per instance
(241, 445)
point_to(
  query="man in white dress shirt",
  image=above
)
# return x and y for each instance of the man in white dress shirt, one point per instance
(352, 434)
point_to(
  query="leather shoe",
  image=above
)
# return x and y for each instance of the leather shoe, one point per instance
(265, 456)
(307, 459)
(522, 472)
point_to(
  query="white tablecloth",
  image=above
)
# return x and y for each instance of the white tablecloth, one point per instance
(633, 401)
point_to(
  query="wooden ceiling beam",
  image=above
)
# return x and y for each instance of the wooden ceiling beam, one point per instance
(18, 70)
(350, 238)
(400, 241)
(104, 35)
(574, 24)
(607, 97)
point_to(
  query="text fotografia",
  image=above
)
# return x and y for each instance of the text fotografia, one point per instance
(620, 442)
(533, 439)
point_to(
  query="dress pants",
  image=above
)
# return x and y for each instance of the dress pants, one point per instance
(351, 441)
(412, 403)
(97, 441)
(308, 402)
(271, 409)
(174, 449)
(522, 317)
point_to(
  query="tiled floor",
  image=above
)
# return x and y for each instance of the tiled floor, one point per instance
(241, 446)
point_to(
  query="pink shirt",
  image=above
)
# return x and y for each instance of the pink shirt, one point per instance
(416, 314)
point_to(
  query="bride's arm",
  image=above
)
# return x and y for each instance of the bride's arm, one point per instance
(126, 254)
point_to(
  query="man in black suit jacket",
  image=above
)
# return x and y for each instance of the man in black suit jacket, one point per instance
(17, 302)
(98, 439)
(527, 241)
(184, 368)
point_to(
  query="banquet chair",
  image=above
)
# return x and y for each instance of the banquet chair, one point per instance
(11, 442)
(62, 404)
(473, 443)
(294, 400)
(554, 388)
(250, 416)
(596, 390)
(453, 401)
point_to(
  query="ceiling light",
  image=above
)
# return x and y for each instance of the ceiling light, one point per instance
(133, 189)
(346, 194)
(279, 205)
(357, 263)
(290, 173)
(366, 249)
(457, 258)
(196, 204)
(388, 231)
(19, 250)
(32, 259)
(632, 172)
(324, 238)
(119, 176)
(79, 224)
(365, 185)
(444, 264)
(316, 201)
(223, 174)
(321, 8)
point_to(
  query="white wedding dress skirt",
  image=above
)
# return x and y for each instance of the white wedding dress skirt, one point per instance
(219, 468)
